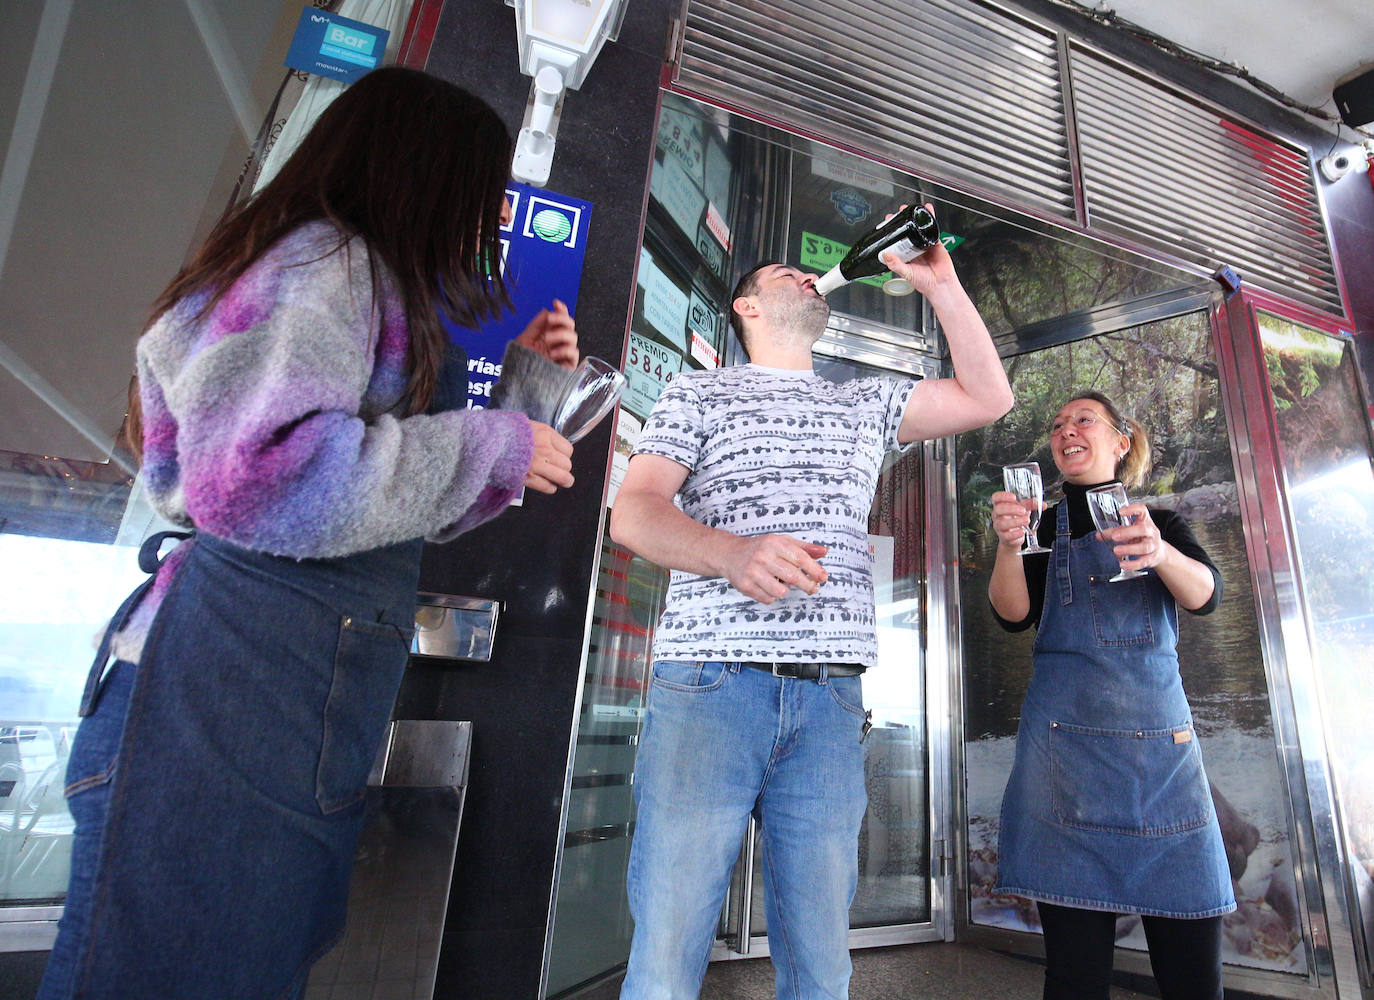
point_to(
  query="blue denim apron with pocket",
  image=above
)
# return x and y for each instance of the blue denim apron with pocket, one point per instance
(1107, 806)
(218, 786)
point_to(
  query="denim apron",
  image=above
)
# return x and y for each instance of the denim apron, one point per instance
(218, 786)
(1107, 806)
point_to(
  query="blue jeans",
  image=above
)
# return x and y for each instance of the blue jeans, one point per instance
(218, 786)
(722, 741)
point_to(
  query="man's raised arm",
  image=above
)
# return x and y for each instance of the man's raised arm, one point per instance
(978, 393)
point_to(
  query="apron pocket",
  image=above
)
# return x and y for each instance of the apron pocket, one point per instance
(1120, 614)
(1146, 783)
(368, 663)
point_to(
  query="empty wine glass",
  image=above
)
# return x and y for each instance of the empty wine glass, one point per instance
(1023, 479)
(593, 390)
(1105, 503)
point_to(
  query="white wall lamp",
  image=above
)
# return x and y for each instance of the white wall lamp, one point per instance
(559, 40)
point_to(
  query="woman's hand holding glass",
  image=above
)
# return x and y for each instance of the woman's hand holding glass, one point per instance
(1137, 542)
(1010, 520)
(553, 335)
(551, 463)
(1022, 480)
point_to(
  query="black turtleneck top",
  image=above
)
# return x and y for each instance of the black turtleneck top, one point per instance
(1172, 528)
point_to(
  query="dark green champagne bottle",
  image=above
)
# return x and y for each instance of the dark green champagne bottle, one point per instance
(908, 234)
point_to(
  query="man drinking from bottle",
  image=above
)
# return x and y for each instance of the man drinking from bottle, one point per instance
(756, 704)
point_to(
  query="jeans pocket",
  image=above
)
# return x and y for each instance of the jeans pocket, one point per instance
(1146, 783)
(848, 693)
(95, 748)
(690, 676)
(368, 663)
(1121, 616)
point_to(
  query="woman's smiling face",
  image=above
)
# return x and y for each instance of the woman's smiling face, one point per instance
(1085, 444)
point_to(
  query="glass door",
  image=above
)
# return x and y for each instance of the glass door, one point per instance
(685, 259)
(725, 193)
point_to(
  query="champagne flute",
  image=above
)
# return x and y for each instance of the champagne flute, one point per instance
(1023, 479)
(593, 390)
(1105, 503)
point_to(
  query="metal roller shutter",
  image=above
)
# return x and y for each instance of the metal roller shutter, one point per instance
(954, 90)
(1167, 170)
(969, 93)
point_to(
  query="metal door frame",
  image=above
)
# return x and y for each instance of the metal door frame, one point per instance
(1285, 648)
(1341, 966)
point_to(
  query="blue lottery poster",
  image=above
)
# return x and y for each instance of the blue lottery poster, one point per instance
(541, 255)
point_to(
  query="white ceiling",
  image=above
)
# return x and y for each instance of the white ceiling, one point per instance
(1302, 47)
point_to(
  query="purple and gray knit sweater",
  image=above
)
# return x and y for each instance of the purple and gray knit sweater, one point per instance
(271, 420)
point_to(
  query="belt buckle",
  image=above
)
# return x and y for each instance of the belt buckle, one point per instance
(788, 670)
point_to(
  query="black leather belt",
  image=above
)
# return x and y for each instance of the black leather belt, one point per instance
(808, 671)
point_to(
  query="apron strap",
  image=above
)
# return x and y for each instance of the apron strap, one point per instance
(1062, 543)
(150, 561)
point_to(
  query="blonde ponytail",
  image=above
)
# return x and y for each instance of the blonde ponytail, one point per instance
(1134, 466)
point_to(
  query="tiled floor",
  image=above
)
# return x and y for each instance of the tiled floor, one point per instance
(906, 972)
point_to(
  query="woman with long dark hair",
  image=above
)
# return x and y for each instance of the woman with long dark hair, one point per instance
(1107, 810)
(302, 417)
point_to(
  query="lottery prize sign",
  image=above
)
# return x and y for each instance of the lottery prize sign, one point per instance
(649, 366)
(542, 251)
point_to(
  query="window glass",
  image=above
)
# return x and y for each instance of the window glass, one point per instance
(1325, 450)
(63, 577)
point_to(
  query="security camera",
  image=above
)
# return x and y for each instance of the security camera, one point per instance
(1336, 166)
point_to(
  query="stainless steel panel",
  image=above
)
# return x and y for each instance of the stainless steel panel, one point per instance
(866, 342)
(740, 910)
(29, 928)
(398, 893)
(454, 628)
(1323, 447)
(942, 637)
(1288, 660)
(951, 89)
(419, 753)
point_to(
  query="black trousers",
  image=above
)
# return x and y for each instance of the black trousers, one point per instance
(1184, 954)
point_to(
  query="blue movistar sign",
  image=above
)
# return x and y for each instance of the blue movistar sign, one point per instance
(337, 47)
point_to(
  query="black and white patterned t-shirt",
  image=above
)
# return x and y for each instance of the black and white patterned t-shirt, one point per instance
(777, 451)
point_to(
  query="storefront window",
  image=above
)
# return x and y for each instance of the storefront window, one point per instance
(1325, 451)
(63, 576)
(111, 171)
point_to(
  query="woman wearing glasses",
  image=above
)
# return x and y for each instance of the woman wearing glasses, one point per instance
(1107, 810)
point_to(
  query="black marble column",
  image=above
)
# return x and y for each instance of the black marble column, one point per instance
(537, 559)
